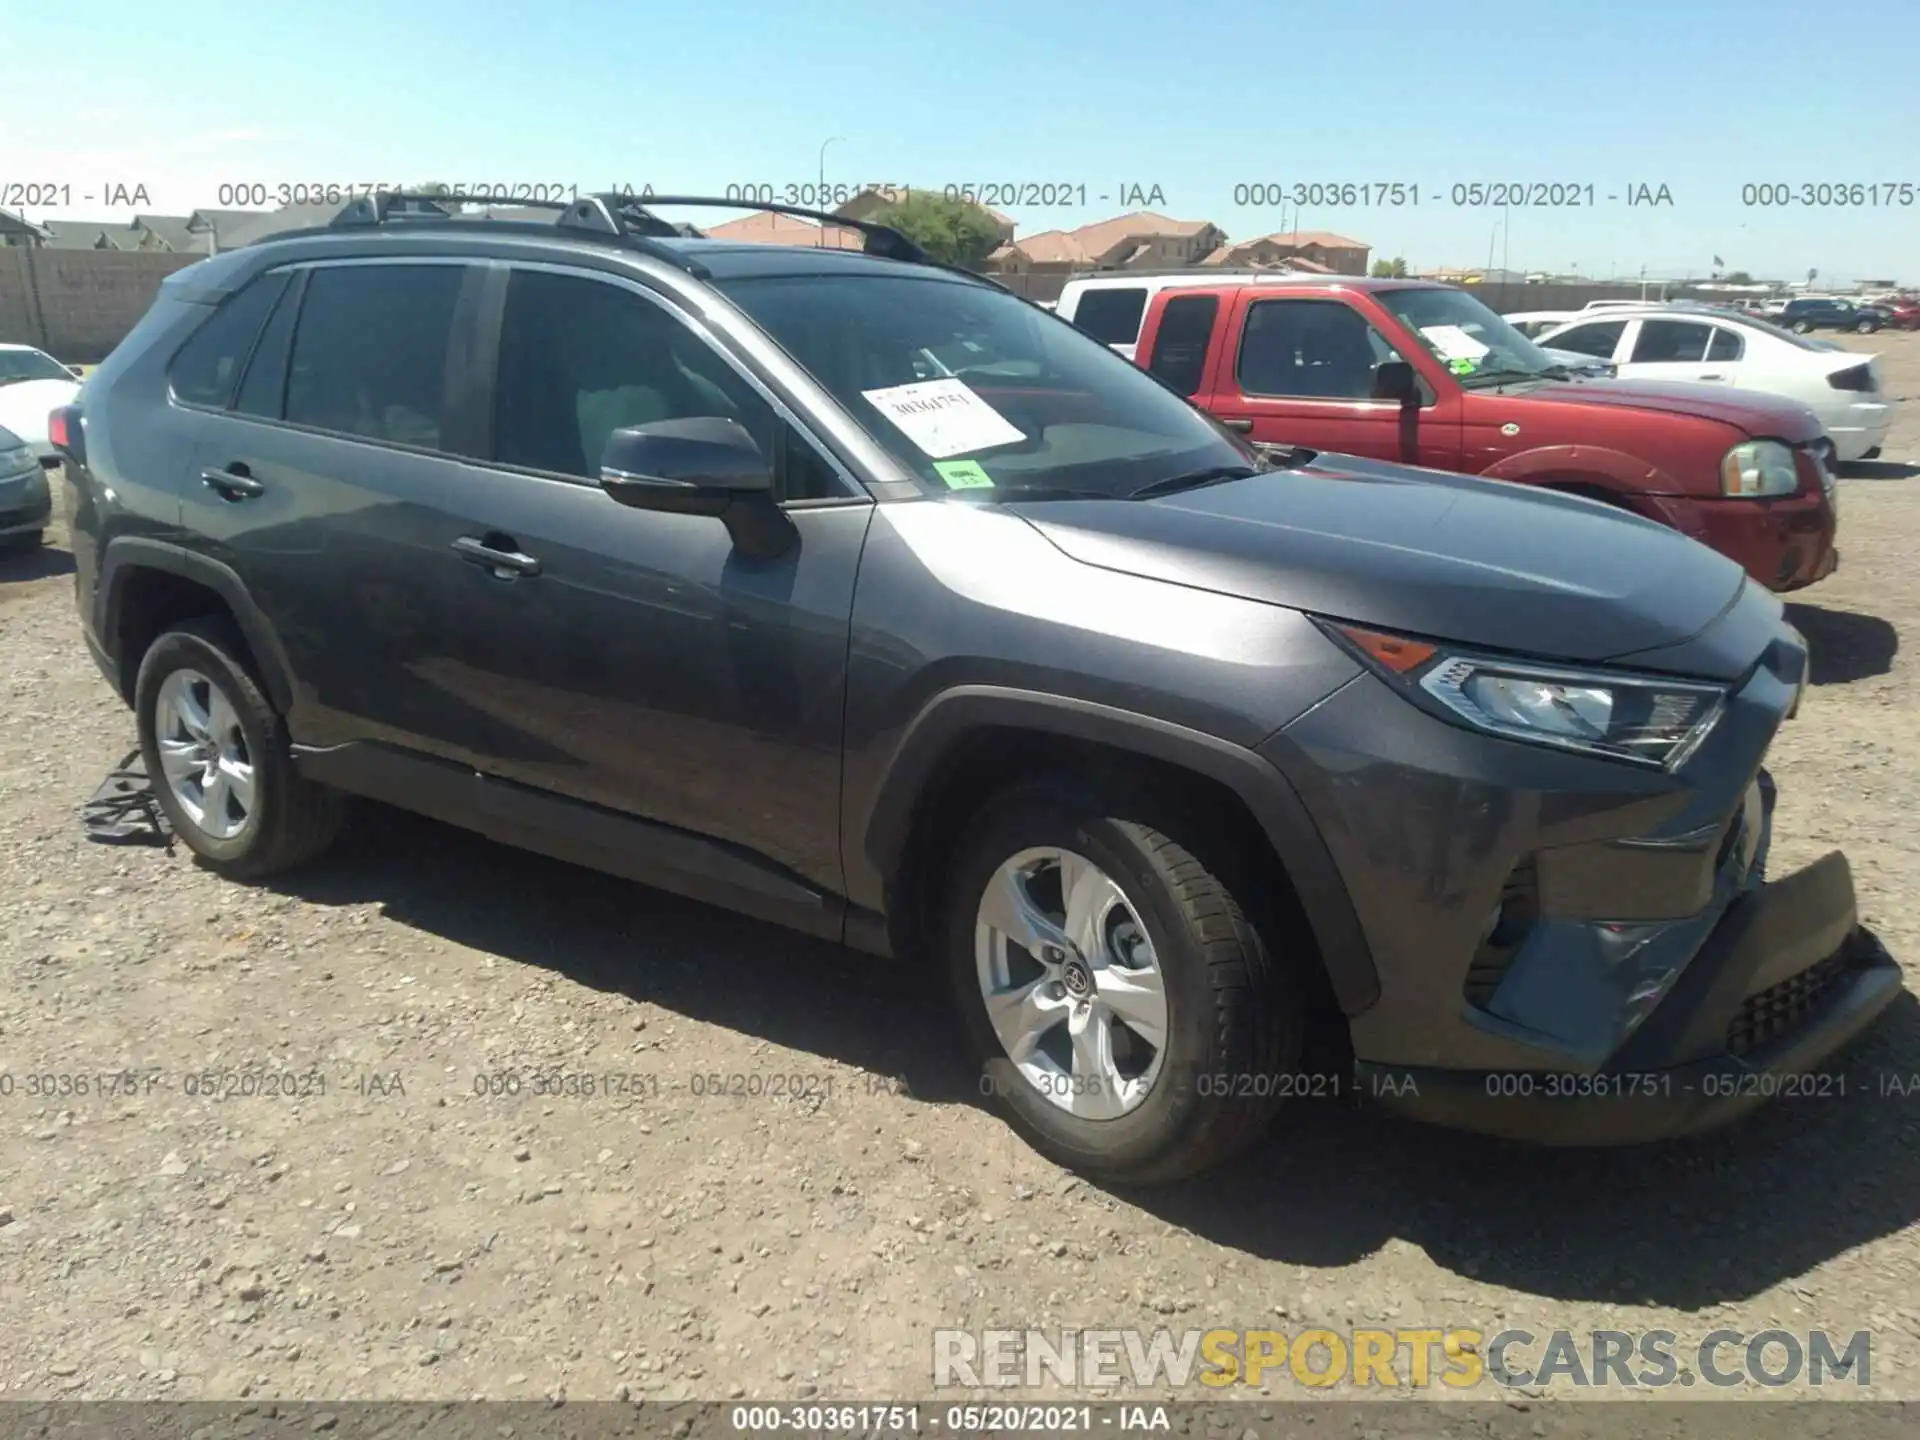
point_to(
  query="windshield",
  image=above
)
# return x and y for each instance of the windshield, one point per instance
(30, 365)
(971, 388)
(1468, 338)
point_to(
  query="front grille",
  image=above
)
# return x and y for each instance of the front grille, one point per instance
(1519, 907)
(1780, 1009)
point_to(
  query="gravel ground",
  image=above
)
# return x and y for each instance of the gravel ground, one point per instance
(403, 1234)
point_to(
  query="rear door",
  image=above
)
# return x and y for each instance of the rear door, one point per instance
(1299, 371)
(323, 487)
(1662, 349)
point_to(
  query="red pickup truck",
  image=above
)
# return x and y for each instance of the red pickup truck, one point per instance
(1426, 374)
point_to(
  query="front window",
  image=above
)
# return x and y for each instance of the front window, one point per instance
(970, 387)
(18, 365)
(1475, 344)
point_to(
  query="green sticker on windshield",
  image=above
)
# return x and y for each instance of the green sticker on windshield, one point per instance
(1463, 366)
(963, 474)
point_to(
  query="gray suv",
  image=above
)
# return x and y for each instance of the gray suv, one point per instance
(856, 593)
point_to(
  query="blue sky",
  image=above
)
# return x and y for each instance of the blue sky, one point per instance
(1701, 98)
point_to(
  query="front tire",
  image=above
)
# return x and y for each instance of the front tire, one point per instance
(1122, 1008)
(218, 755)
(1803, 327)
(1864, 327)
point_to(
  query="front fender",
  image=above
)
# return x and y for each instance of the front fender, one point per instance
(945, 722)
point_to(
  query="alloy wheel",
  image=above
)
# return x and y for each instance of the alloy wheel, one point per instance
(204, 754)
(1071, 982)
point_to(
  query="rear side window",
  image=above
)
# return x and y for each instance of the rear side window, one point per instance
(206, 368)
(1727, 345)
(264, 388)
(1598, 339)
(1667, 342)
(370, 354)
(1111, 316)
(1180, 345)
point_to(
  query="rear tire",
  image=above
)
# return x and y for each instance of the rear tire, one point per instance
(1231, 1027)
(1865, 327)
(219, 757)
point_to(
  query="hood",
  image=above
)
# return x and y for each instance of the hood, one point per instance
(1748, 410)
(25, 405)
(1423, 552)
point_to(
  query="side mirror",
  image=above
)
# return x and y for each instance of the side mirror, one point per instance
(702, 466)
(1396, 380)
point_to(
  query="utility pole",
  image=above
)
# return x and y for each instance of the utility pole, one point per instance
(822, 192)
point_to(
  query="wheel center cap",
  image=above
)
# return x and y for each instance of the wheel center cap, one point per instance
(1077, 978)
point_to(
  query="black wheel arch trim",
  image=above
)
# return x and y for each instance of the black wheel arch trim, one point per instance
(949, 717)
(128, 554)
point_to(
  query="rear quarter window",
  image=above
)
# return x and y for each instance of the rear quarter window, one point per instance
(1112, 316)
(206, 369)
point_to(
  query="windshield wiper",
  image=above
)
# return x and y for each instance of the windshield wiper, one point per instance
(1505, 377)
(1220, 474)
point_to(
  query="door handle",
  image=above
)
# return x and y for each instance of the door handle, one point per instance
(1242, 426)
(503, 555)
(1713, 377)
(232, 483)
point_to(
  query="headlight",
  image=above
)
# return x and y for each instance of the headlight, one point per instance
(17, 459)
(1645, 720)
(1759, 467)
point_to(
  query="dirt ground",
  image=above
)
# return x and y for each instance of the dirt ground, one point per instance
(415, 1221)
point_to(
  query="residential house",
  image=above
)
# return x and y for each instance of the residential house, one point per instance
(869, 203)
(1142, 239)
(164, 233)
(768, 227)
(18, 231)
(1315, 251)
(78, 235)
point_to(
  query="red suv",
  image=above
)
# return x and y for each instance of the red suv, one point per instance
(1427, 375)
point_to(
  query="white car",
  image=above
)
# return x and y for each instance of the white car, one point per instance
(32, 385)
(1725, 347)
(1531, 323)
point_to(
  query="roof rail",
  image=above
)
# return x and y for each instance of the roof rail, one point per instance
(1231, 272)
(882, 240)
(612, 216)
(631, 219)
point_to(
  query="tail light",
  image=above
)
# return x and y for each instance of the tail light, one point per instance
(67, 434)
(1854, 377)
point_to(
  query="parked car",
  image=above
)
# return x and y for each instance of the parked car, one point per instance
(32, 385)
(1904, 314)
(1425, 374)
(1535, 323)
(1110, 308)
(1804, 316)
(1029, 671)
(1843, 387)
(25, 501)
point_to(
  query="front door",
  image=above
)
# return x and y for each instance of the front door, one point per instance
(632, 659)
(1302, 373)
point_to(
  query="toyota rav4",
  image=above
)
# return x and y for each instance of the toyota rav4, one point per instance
(858, 594)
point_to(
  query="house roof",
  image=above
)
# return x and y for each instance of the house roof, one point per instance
(19, 224)
(221, 222)
(78, 234)
(770, 228)
(263, 223)
(169, 230)
(1055, 247)
(1103, 235)
(1325, 239)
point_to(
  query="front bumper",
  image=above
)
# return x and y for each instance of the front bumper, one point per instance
(1573, 949)
(1787, 978)
(1784, 544)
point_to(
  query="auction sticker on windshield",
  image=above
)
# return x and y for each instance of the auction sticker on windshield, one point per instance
(963, 474)
(1453, 343)
(943, 417)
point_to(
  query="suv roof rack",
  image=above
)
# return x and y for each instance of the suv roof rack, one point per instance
(624, 217)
